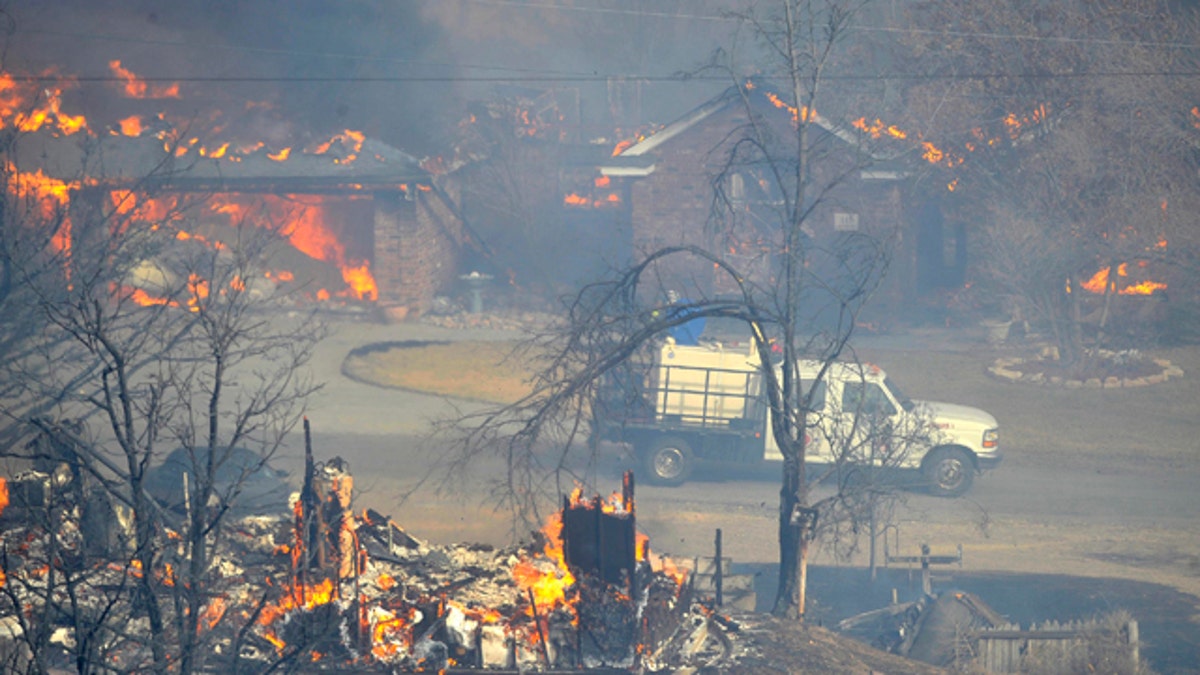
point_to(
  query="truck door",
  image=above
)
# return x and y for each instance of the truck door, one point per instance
(863, 428)
(816, 445)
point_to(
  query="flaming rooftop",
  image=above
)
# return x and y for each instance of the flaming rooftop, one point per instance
(350, 163)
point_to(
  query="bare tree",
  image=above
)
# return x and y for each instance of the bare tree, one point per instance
(773, 292)
(150, 338)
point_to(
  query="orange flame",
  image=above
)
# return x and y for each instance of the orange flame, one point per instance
(797, 113)
(27, 108)
(144, 299)
(1014, 126)
(136, 87)
(197, 291)
(216, 153)
(1098, 283)
(361, 281)
(49, 197)
(389, 632)
(549, 583)
(350, 141)
(296, 598)
(306, 225)
(601, 200)
(932, 153)
(878, 129)
(131, 126)
(213, 612)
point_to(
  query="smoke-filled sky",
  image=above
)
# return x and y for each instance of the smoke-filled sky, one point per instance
(400, 70)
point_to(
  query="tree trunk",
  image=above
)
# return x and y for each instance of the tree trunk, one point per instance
(145, 556)
(802, 591)
(790, 593)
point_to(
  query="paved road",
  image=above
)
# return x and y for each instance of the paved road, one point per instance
(1029, 491)
(1128, 519)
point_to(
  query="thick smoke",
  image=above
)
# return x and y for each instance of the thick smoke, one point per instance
(401, 71)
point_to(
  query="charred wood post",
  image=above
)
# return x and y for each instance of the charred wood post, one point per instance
(603, 544)
(305, 510)
(327, 547)
(600, 547)
(337, 491)
(718, 576)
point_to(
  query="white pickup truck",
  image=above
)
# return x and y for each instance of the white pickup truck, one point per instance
(706, 403)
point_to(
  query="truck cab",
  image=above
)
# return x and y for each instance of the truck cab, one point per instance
(706, 402)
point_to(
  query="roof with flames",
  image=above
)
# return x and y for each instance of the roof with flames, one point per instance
(636, 160)
(147, 163)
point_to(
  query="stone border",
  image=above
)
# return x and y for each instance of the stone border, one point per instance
(1001, 371)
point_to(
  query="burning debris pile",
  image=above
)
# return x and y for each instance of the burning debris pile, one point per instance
(327, 588)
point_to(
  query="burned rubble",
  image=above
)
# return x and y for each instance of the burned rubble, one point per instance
(326, 588)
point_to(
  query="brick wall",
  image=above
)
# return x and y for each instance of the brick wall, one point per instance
(416, 245)
(672, 206)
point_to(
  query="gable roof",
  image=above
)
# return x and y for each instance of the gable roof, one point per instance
(144, 162)
(733, 96)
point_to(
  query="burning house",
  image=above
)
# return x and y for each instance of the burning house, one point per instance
(363, 218)
(658, 189)
(666, 176)
(362, 221)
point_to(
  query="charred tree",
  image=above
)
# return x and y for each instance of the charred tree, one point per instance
(149, 341)
(781, 149)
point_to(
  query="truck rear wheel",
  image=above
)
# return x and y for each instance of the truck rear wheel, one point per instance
(949, 472)
(669, 461)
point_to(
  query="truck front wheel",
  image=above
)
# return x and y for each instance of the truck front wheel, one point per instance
(669, 461)
(949, 472)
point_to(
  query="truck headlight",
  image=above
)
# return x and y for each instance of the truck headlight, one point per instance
(991, 438)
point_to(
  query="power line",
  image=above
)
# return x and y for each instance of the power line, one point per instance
(278, 51)
(731, 18)
(1027, 38)
(640, 13)
(594, 10)
(582, 77)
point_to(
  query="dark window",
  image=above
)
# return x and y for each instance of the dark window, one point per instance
(818, 394)
(867, 398)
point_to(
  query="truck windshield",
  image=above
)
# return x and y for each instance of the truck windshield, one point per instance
(905, 402)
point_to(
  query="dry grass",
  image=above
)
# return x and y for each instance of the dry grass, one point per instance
(1156, 422)
(478, 371)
